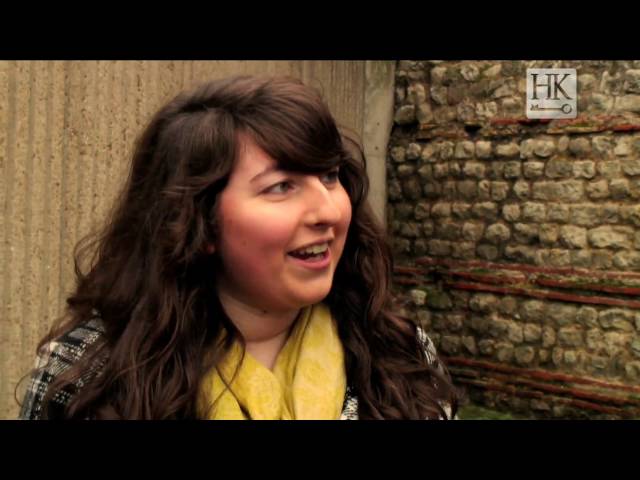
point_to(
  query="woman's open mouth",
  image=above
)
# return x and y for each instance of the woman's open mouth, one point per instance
(315, 258)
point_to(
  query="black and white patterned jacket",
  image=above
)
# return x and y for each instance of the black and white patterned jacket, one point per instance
(63, 352)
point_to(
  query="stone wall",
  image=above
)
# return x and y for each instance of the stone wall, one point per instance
(517, 241)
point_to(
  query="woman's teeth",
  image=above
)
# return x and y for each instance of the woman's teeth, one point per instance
(315, 252)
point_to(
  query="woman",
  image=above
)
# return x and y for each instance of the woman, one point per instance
(242, 276)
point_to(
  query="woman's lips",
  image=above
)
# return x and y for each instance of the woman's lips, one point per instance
(312, 263)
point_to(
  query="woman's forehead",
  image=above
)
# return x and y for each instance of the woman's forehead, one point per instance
(252, 160)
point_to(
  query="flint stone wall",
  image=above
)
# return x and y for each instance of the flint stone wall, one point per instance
(517, 241)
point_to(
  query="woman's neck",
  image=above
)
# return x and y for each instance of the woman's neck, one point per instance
(265, 333)
(256, 325)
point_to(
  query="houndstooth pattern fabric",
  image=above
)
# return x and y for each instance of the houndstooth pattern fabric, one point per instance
(56, 357)
(350, 407)
(59, 355)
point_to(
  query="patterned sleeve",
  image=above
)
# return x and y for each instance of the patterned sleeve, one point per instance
(429, 347)
(54, 358)
(350, 406)
(432, 358)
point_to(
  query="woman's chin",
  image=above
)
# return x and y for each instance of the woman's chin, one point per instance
(311, 298)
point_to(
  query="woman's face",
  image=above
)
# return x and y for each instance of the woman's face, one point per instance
(265, 214)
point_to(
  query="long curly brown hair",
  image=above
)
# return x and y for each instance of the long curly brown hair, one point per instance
(148, 272)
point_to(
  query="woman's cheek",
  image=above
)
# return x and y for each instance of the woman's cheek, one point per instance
(265, 230)
(346, 211)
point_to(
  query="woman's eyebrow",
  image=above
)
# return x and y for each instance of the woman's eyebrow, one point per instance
(264, 172)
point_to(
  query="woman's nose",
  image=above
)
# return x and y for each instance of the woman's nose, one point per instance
(321, 207)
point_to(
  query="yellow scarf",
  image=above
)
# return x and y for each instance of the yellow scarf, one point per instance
(308, 381)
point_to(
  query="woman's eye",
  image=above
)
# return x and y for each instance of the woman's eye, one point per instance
(332, 176)
(282, 187)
